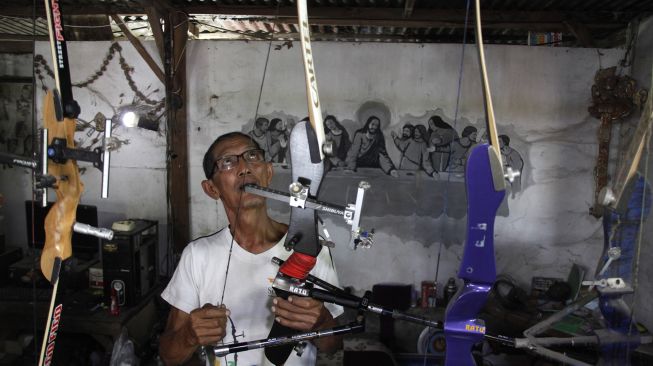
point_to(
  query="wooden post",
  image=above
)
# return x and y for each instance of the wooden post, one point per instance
(175, 63)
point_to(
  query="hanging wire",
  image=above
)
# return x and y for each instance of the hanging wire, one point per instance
(455, 123)
(231, 245)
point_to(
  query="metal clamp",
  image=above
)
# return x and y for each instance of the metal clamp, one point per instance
(614, 253)
(359, 238)
(298, 194)
(511, 174)
(613, 283)
(299, 348)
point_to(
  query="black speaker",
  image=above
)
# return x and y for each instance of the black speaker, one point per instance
(129, 262)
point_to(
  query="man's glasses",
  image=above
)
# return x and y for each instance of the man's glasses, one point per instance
(228, 162)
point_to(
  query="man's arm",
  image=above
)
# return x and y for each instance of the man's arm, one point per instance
(385, 162)
(307, 314)
(354, 149)
(185, 332)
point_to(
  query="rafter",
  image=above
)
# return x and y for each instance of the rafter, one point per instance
(139, 47)
(369, 16)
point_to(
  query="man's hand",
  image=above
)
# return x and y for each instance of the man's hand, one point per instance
(301, 313)
(307, 314)
(185, 332)
(206, 325)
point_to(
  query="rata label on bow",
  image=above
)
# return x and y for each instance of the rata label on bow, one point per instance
(298, 290)
(475, 328)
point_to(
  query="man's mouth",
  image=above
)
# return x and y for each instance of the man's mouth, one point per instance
(242, 186)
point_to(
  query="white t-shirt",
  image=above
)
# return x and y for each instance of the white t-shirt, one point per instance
(200, 277)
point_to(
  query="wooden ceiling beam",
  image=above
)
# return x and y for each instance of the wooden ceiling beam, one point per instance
(582, 34)
(154, 17)
(16, 46)
(351, 14)
(526, 26)
(22, 37)
(88, 28)
(408, 8)
(177, 124)
(87, 9)
(139, 48)
(439, 15)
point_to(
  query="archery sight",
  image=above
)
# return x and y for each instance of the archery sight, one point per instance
(59, 153)
(298, 196)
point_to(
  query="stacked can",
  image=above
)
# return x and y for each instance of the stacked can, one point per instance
(429, 291)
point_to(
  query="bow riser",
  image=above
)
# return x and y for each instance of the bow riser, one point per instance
(484, 197)
(302, 221)
(302, 232)
(478, 269)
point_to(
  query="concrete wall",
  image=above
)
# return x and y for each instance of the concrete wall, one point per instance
(541, 97)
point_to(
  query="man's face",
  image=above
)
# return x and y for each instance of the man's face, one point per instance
(374, 126)
(262, 124)
(473, 136)
(406, 132)
(228, 184)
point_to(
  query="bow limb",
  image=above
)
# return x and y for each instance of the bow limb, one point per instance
(314, 107)
(485, 187)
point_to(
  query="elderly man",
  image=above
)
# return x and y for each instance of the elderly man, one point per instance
(221, 290)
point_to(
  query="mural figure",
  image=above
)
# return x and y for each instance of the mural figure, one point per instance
(261, 135)
(279, 136)
(511, 158)
(368, 149)
(440, 137)
(460, 148)
(213, 107)
(24, 102)
(339, 137)
(415, 154)
(403, 142)
(15, 118)
(419, 151)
